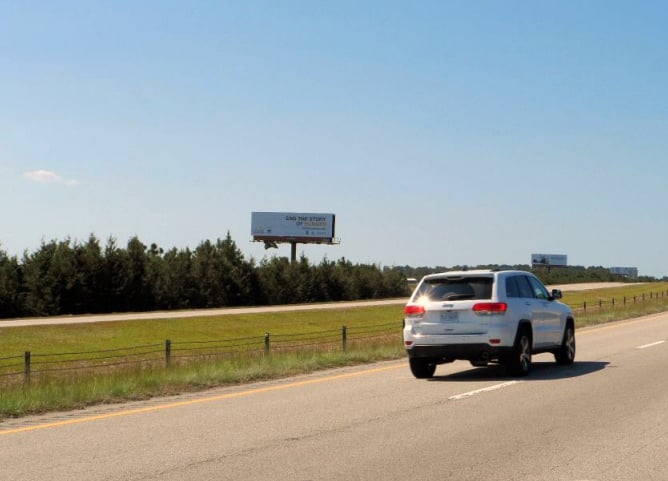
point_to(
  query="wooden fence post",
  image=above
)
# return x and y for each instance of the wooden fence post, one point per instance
(26, 368)
(168, 353)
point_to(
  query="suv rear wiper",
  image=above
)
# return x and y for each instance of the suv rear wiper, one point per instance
(456, 297)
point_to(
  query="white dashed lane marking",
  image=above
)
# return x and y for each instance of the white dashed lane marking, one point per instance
(652, 344)
(485, 389)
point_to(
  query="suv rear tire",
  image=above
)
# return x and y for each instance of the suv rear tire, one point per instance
(519, 362)
(565, 355)
(422, 368)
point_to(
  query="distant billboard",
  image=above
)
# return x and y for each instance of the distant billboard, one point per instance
(630, 272)
(549, 260)
(292, 227)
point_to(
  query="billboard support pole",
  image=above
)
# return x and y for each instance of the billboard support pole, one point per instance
(293, 252)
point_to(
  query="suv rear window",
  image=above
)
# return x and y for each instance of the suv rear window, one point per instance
(455, 289)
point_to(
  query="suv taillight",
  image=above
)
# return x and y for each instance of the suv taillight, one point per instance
(490, 308)
(413, 310)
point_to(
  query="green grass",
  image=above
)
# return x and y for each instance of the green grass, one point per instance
(79, 388)
(600, 307)
(113, 335)
(75, 389)
(82, 389)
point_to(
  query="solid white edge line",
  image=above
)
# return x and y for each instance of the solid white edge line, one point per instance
(485, 389)
(645, 346)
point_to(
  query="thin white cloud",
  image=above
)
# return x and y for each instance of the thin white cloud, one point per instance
(48, 177)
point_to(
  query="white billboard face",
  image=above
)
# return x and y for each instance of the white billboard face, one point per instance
(549, 260)
(631, 272)
(303, 227)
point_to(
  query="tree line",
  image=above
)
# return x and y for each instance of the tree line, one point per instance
(552, 275)
(70, 277)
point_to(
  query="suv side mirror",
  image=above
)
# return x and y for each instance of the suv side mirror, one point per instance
(556, 294)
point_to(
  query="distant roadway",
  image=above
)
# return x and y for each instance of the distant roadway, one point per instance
(133, 316)
(605, 418)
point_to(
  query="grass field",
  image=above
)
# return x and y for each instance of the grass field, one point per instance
(616, 303)
(312, 340)
(111, 335)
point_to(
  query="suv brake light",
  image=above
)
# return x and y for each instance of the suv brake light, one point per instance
(413, 310)
(490, 308)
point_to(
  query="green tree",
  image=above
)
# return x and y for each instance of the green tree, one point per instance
(139, 289)
(89, 277)
(11, 295)
(207, 276)
(238, 276)
(41, 298)
(279, 281)
(175, 287)
(114, 278)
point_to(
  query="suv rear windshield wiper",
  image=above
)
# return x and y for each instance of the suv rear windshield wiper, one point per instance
(456, 297)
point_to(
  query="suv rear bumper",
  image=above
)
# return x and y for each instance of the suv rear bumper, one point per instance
(469, 352)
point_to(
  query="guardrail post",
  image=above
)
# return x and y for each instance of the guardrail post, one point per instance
(344, 337)
(26, 368)
(168, 353)
(267, 343)
(624, 301)
(584, 307)
(613, 302)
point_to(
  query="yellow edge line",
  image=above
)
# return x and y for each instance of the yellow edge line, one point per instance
(191, 402)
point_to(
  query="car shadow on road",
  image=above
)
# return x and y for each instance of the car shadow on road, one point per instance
(540, 371)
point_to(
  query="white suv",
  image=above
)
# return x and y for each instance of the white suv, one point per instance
(483, 317)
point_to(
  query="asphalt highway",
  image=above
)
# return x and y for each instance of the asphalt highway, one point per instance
(605, 418)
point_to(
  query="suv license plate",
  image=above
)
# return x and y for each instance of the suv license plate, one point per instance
(450, 316)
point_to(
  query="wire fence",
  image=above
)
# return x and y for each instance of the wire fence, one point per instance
(25, 368)
(625, 302)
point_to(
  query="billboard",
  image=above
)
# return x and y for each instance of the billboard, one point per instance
(292, 227)
(549, 260)
(630, 272)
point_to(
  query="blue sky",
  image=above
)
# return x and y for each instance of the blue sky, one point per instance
(438, 132)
